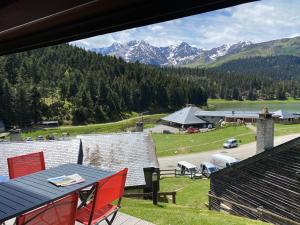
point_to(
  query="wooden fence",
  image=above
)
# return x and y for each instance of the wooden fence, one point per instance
(164, 194)
(176, 172)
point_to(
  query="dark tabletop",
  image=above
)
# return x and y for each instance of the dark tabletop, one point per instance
(25, 193)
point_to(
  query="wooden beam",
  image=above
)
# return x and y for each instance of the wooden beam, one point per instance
(28, 24)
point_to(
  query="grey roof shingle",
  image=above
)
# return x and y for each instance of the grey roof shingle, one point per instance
(110, 151)
(55, 152)
(116, 151)
(185, 116)
(282, 114)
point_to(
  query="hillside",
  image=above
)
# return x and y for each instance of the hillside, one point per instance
(75, 86)
(287, 46)
(282, 67)
(71, 85)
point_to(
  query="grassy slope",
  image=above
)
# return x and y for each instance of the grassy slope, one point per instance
(189, 210)
(173, 144)
(281, 129)
(95, 128)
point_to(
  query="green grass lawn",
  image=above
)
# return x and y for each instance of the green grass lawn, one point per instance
(174, 144)
(281, 129)
(149, 121)
(190, 207)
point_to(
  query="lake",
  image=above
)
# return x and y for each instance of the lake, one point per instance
(291, 107)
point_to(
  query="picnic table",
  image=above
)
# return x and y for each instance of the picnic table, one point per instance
(29, 192)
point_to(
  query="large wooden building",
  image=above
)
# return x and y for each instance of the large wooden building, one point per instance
(265, 186)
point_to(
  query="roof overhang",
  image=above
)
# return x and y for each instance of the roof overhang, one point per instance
(28, 24)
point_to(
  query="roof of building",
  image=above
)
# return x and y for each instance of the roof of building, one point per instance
(185, 116)
(240, 114)
(282, 114)
(212, 113)
(112, 151)
(116, 151)
(55, 152)
(265, 180)
(28, 24)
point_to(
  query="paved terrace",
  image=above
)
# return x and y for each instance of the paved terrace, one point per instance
(121, 219)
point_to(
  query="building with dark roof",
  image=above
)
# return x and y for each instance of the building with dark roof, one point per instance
(279, 116)
(285, 117)
(265, 186)
(186, 117)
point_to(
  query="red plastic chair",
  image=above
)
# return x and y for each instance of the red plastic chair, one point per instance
(60, 212)
(25, 164)
(101, 207)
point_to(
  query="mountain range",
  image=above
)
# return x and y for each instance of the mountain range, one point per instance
(187, 55)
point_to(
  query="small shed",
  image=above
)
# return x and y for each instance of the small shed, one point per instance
(186, 117)
(265, 186)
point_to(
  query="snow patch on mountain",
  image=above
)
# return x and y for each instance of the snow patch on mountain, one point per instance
(173, 55)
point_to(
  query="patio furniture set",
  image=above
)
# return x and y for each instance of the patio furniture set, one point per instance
(29, 197)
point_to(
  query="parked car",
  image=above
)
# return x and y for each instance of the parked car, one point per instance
(28, 139)
(222, 161)
(40, 138)
(50, 137)
(230, 143)
(207, 168)
(187, 168)
(192, 130)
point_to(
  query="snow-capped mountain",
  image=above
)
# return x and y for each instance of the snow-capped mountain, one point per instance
(173, 55)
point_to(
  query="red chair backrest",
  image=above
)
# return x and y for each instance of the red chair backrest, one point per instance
(25, 164)
(60, 212)
(110, 189)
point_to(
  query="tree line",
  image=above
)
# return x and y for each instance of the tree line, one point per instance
(69, 84)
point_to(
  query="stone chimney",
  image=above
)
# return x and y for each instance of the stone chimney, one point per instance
(264, 131)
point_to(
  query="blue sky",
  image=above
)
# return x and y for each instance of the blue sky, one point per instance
(257, 22)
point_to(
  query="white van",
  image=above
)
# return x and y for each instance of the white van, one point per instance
(222, 161)
(187, 168)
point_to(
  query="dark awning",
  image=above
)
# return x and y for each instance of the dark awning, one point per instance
(28, 24)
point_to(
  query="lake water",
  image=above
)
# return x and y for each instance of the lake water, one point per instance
(291, 107)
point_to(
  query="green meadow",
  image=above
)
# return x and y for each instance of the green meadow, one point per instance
(190, 207)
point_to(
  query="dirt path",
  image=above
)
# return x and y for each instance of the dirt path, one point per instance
(242, 152)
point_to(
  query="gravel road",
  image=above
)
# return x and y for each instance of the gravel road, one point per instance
(241, 152)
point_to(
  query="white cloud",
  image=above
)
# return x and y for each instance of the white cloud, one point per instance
(256, 21)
